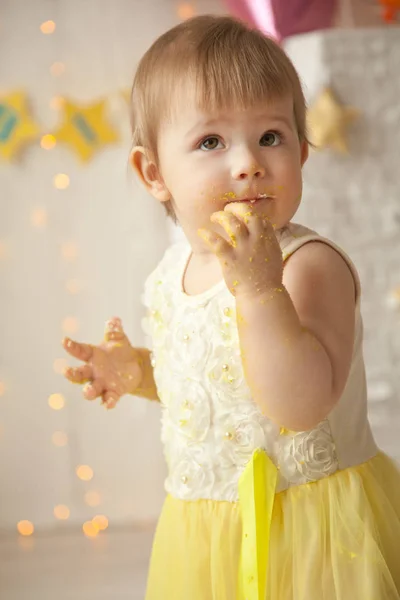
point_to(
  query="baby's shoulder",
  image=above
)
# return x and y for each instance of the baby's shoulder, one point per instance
(294, 236)
(324, 253)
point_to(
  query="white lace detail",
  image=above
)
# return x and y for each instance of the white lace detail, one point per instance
(210, 423)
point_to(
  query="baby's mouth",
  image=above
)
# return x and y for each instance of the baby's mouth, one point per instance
(252, 200)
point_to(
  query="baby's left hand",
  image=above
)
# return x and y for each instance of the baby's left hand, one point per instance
(252, 259)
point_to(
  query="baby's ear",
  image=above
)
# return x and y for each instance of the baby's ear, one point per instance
(149, 174)
(304, 151)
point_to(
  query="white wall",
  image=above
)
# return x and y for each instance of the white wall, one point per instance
(120, 233)
(355, 199)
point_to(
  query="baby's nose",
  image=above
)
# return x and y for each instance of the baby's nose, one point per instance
(247, 168)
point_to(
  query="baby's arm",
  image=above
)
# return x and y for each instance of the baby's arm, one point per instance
(113, 368)
(297, 341)
(147, 388)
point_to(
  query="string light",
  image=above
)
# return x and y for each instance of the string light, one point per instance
(69, 251)
(90, 529)
(101, 522)
(61, 512)
(57, 102)
(48, 141)
(84, 472)
(185, 11)
(26, 543)
(57, 69)
(61, 181)
(92, 498)
(70, 325)
(59, 438)
(56, 401)
(39, 217)
(393, 299)
(48, 27)
(59, 365)
(25, 528)
(73, 286)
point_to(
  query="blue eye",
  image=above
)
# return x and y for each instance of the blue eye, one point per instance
(210, 143)
(270, 138)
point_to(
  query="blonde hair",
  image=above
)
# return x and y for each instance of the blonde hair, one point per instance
(231, 66)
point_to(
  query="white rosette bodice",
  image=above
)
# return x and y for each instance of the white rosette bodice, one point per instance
(210, 424)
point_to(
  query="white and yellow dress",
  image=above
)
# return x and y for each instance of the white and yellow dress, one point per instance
(254, 511)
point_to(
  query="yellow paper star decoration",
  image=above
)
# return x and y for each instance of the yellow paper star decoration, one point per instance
(85, 128)
(17, 127)
(393, 299)
(328, 122)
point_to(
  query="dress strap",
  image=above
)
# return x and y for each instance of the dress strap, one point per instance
(295, 236)
(257, 488)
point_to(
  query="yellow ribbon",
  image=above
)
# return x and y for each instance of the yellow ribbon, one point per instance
(257, 488)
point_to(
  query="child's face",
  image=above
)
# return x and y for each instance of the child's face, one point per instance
(207, 161)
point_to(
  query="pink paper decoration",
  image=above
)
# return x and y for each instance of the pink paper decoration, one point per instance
(390, 8)
(282, 18)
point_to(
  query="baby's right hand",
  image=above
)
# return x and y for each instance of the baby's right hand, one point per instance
(112, 369)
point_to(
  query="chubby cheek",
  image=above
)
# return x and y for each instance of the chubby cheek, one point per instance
(291, 194)
(297, 189)
(216, 193)
(192, 198)
(294, 182)
(290, 176)
(212, 179)
(207, 195)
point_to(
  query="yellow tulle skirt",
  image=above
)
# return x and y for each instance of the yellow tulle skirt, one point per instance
(335, 539)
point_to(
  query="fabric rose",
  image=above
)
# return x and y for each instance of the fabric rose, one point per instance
(238, 433)
(309, 456)
(192, 477)
(226, 376)
(187, 407)
(186, 347)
